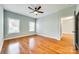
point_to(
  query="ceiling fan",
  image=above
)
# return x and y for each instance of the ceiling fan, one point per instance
(36, 10)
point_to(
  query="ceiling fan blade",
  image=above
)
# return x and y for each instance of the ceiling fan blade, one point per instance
(30, 8)
(40, 12)
(39, 7)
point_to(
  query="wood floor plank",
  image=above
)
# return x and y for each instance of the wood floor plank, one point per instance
(42, 45)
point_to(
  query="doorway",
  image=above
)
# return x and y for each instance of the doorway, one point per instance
(67, 29)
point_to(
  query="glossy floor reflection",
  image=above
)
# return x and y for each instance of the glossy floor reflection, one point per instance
(39, 45)
(31, 44)
(14, 48)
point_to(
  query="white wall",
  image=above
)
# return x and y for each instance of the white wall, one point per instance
(67, 15)
(77, 8)
(68, 25)
(1, 27)
(49, 26)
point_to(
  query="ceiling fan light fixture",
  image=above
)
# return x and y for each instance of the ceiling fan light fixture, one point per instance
(35, 12)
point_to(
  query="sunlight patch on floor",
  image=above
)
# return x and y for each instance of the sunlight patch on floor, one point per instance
(14, 48)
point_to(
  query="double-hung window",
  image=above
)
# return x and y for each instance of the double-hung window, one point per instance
(31, 26)
(13, 25)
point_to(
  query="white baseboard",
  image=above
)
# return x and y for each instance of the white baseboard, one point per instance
(49, 36)
(18, 36)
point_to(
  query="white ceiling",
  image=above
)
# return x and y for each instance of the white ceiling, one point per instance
(46, 8)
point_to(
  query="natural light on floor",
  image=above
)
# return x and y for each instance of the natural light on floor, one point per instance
(14, 48)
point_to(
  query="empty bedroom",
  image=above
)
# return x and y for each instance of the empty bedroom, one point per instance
(37, 28)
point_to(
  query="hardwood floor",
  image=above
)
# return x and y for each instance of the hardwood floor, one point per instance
(39, 45)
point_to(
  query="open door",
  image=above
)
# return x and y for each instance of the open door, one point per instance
(77, 31)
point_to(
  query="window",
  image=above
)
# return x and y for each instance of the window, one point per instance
(31, 26)
(13, 25)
